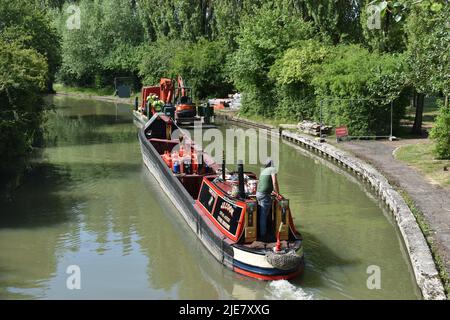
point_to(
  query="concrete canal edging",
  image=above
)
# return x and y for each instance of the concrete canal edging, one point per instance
(425, 272)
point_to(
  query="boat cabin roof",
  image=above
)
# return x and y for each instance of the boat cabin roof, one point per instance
(227, 185)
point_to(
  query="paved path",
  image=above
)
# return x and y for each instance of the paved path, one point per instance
(432, 200)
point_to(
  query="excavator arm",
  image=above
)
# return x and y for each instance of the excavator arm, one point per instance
(181, 89)
(166, 90)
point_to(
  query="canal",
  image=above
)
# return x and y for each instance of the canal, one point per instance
(90, 202)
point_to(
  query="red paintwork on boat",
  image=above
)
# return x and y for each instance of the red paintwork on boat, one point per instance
(237, 203)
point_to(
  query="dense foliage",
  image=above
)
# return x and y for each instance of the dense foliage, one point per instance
(371, 80)
(106, 45)
(427, 53)
(200, 63)
(286, 57)
(29, 58)
(203, 64)
(263, 38)
(390, 36)
(293, 73)
(156, 62)
(29, 25)
(428, 48)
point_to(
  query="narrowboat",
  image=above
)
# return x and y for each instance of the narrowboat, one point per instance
(219, 206)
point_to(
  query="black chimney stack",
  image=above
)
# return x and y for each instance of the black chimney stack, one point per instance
(223, 165)
(241, 179)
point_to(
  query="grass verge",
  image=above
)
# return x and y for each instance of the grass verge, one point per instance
(420, 156)
(106, 91)
(426, 232)
(101, 92)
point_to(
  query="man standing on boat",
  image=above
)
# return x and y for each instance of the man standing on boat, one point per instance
(267, 184)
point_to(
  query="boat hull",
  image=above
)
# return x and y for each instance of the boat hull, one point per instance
(245, 262)
(139, 119)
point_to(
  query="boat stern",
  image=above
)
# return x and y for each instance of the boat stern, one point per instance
(267, 264)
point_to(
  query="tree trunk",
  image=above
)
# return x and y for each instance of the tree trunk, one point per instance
(418, 101)
(50, 89)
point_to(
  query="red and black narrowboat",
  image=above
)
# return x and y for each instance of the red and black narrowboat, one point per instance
(220, 207)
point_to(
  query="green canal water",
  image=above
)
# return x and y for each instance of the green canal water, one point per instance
(90, 202)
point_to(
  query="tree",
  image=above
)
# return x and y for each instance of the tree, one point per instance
(105, 46)
(29, 58)
(227, 16)
(177, 19)
(389, 35)
(420, 27)
(336, 20)
(32, 27)
(427, 53)
(51, 3)
(156, 59)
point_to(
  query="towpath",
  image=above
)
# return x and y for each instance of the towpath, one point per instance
(114, 99)
(432, 200)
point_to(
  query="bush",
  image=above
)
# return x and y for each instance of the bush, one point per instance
(29, 57)
(22, 22)
(352, 72)
(441, 133)
(293, 73)
(23, 74)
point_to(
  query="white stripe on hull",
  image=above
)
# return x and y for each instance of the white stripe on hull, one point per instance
(252, 259)
(256, 260)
